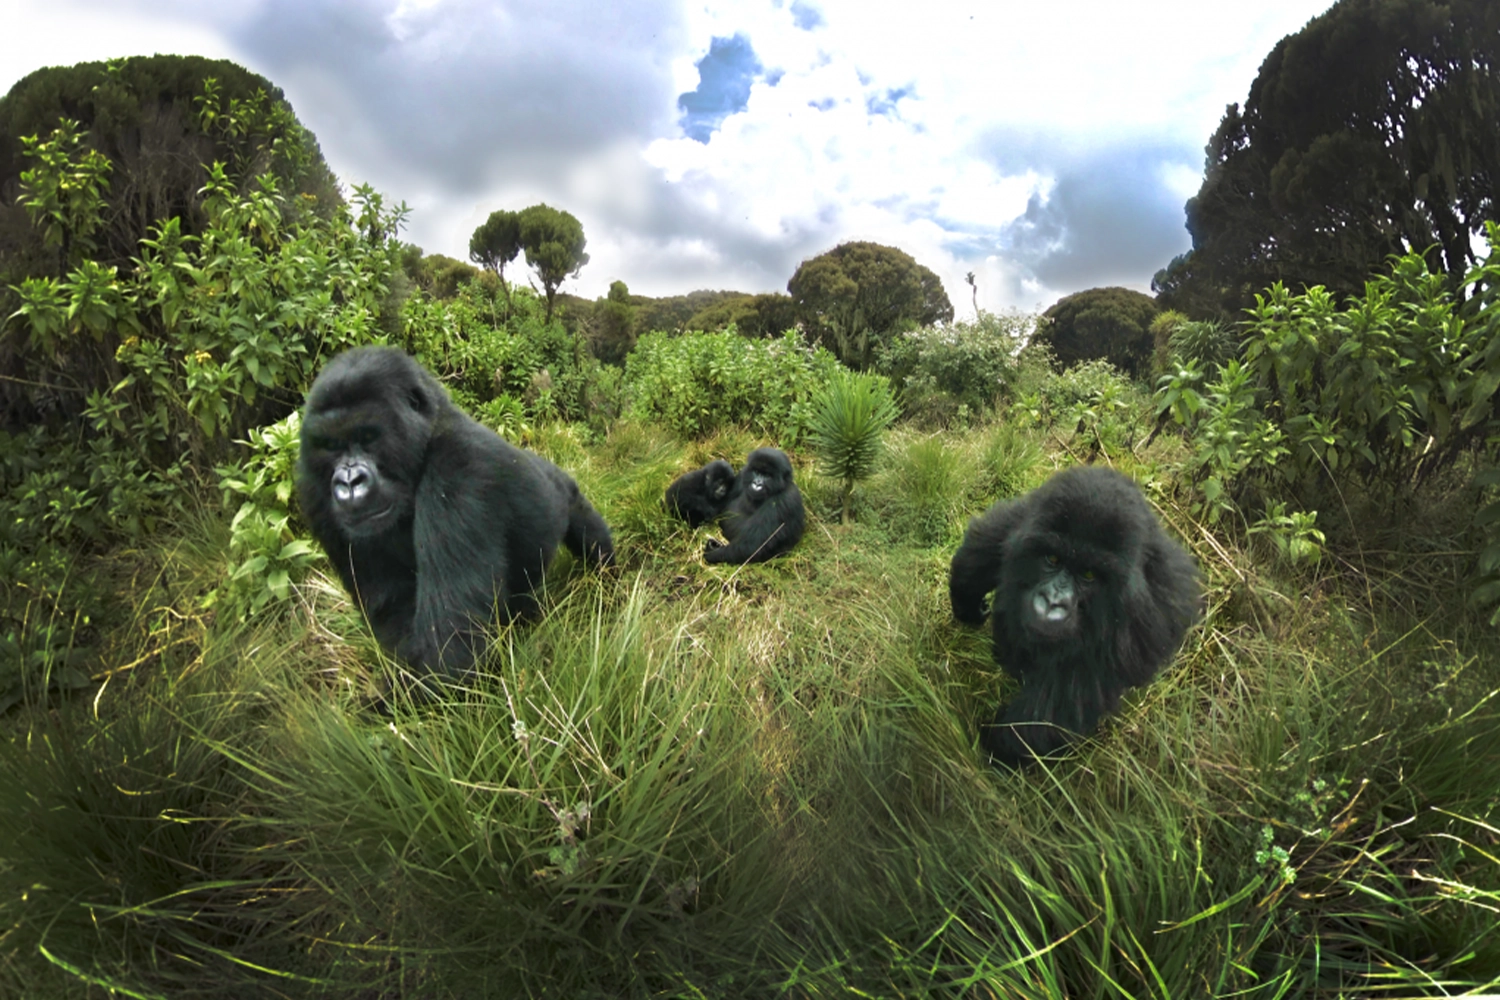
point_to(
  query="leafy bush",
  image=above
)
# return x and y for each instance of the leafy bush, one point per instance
(1207, 343)
(267, 555)
(1093, 400)
(698, 383)
(939, 370)
(481, 355)
(849, 417)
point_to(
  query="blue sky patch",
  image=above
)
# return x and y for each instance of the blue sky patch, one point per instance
(884, 104)
(806, 16)
(724, 79)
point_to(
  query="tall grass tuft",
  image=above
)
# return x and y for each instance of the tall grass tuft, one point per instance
(848, 422)
(926, 488)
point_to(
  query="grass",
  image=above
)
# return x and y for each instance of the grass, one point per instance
(693, 781)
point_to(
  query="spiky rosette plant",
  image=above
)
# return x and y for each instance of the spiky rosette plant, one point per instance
(848, 424)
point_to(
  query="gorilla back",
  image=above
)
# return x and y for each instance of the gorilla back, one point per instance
(1091, 598)
(433, 522)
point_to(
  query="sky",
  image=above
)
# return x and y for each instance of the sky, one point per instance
(1046, 147)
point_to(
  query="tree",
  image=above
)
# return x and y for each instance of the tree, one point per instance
(495, 243)
(769, 314)
(553, 241)
(160, 121)
(613, 333)
(1368, 133)
(858, 296)
(1109, 323)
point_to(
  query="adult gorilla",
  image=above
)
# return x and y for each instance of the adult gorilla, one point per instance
(1091, 599)
(700, 496)
(433, 522)
(764, 515)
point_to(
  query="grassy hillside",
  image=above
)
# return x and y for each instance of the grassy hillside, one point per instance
(760, 781)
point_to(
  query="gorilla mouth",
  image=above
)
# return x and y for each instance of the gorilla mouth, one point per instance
(1049, 612)
(368, 523)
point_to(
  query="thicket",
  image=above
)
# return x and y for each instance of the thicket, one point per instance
(1363, 408)
(182, 373)
(698, 383)
(955, 371)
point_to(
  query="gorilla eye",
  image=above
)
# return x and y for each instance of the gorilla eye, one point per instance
(321, 443)
(365, 436)
(1052, 560)
(1088, 574)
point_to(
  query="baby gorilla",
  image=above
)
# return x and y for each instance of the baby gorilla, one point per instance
(764, 515)
(699, 497)
(1091, 599)
(433, 522)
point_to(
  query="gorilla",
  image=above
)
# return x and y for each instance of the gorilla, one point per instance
(763, 516)
(433, 521)
(1091, 599)
(699, 497)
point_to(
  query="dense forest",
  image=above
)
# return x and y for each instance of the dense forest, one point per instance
(688, 779)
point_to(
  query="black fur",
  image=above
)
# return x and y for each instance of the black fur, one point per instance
(764, 515)
(700, 496)
(433, 522)
(1091, 599)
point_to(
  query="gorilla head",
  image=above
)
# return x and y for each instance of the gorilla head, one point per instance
(366, 444)
(432, 521)
(764, 516)
(700, 496)
(1091, 598)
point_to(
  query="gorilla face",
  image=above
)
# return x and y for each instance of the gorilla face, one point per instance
(1057, 599)
(721, 481)
(762, 479)
(365, 449)
(701, 495)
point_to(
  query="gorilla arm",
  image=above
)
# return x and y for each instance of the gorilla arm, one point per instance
(771, 529)
(1051, 710)
(976, 564)
(1160, 605)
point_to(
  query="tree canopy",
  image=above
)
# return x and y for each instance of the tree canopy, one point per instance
(553, 241)
(769, 314)
(1109, 323)
(159, 120)
(495, 243)
(1369, 132)
(857, 296)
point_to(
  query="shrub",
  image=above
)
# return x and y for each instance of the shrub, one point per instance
(267, 555)
(698, 383)
(849, 418)
(939, 369)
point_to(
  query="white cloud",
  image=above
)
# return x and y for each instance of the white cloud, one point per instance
(1084, 121)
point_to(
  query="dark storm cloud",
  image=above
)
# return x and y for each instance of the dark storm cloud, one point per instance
(724, 79)
(1109, 218)
(470, 87)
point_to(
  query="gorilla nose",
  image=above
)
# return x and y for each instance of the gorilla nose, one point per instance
(351, 484)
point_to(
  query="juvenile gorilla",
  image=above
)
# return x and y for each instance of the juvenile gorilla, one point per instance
(700, 496)
(433, 522)
(1091, 599)
(764, 515)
